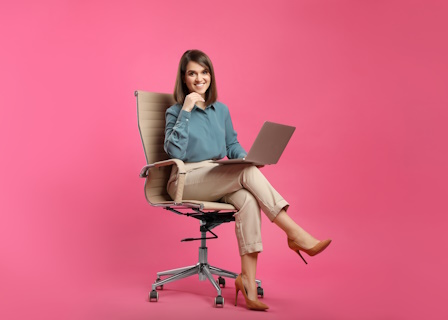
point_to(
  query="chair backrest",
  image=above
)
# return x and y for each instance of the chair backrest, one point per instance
(151, 107)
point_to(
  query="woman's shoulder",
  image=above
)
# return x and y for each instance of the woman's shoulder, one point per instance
(221, 106)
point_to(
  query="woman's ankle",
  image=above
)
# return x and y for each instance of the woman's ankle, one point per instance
(250, 286)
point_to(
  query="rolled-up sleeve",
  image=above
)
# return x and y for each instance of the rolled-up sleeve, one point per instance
(233, 147)
(176, 132)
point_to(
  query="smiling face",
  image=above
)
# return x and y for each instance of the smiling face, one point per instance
(197, 78)
(195, 74)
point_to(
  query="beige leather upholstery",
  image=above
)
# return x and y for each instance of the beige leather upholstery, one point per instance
(151, 109)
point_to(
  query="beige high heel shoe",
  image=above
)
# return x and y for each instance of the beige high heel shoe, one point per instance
(318, 248)
(251, 304)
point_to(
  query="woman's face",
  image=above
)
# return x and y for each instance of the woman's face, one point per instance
(197, 78)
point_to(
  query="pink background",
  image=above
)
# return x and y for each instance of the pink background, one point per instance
(365, 84)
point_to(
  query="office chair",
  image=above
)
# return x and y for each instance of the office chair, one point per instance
(151, 109)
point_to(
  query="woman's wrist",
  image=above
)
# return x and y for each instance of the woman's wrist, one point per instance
(188, 105)
(187, 108)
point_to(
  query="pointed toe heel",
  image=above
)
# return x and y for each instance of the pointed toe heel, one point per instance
(250, 304)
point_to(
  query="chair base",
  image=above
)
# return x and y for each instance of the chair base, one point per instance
(203, 269)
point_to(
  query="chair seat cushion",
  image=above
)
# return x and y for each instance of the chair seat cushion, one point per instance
(206, 205)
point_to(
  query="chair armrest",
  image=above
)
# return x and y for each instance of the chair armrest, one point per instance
(179, 163)
(180, 171)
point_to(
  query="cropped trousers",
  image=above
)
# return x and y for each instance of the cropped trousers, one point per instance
(241, 185)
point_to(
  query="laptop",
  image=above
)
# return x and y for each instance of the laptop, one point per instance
(268, 146)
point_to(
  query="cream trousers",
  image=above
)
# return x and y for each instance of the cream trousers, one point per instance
(241, 185)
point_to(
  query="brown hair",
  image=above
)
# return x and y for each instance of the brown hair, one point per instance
(180, 88)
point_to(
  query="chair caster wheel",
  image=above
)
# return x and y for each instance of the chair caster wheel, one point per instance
(260, 292)
(159, 287)
(221, 282)
(153, 296)
(219, 302)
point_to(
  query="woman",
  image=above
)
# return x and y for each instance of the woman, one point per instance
(198, 130)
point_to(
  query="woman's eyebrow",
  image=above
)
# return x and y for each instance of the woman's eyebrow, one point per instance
(190, 70)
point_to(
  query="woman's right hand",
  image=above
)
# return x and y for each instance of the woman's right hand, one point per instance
(190, 101)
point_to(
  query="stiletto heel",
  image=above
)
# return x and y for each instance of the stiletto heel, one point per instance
(318, 248)
(236, 295)
(251, 304)
(298, 251)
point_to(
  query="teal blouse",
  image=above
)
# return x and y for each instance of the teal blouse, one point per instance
(201, 134)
